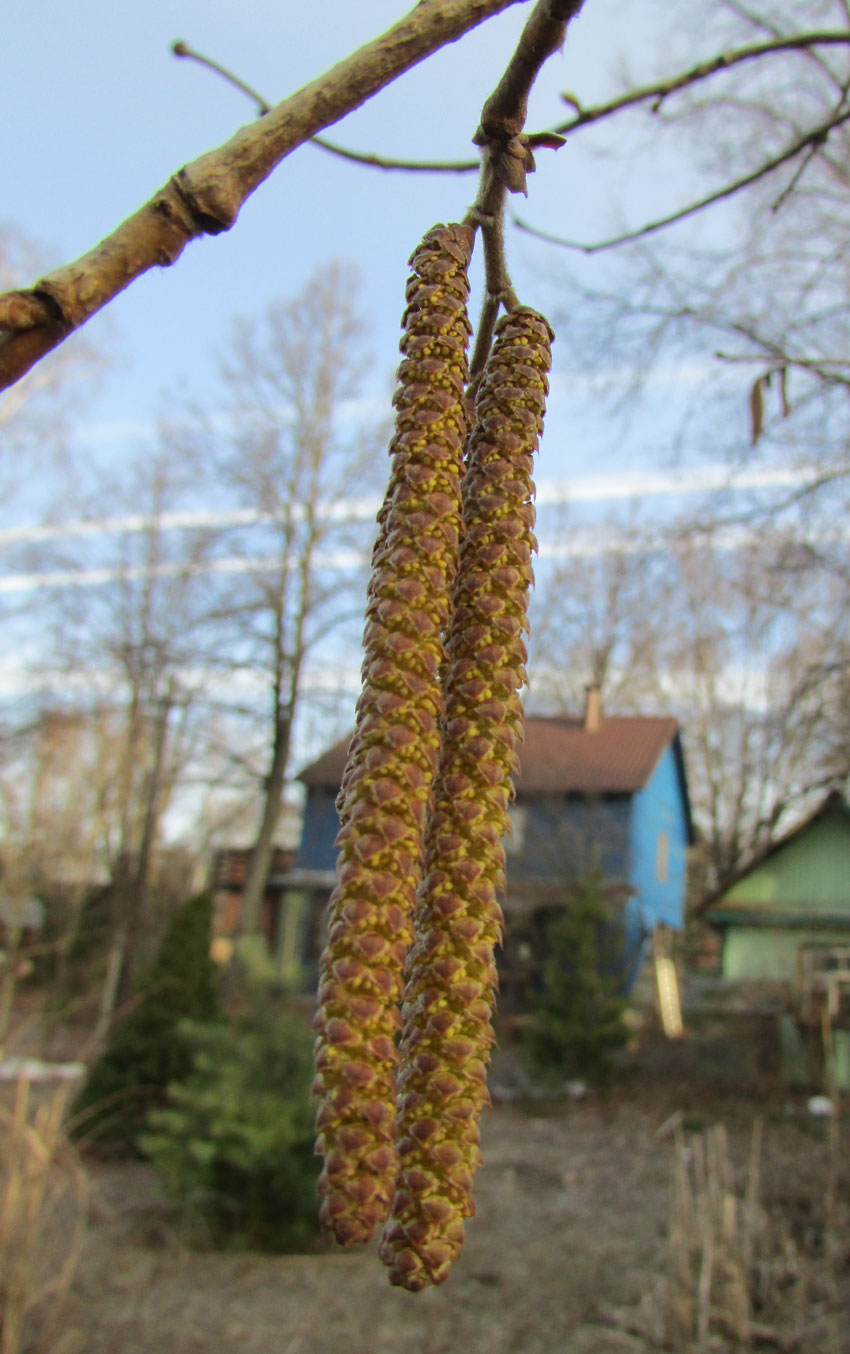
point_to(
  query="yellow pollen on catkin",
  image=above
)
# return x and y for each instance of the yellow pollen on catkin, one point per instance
(450, 972)
(394, 753)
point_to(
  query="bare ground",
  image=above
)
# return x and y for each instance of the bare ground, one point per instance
(568, 1251)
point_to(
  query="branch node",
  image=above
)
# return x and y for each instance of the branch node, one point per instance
(476, 216)
(210, 212)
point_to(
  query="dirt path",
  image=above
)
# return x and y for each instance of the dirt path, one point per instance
(571, 1224)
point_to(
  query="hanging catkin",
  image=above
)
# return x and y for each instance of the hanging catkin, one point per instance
(394, 753)
(451, 975)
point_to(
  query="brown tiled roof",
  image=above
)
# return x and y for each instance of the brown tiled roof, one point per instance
(559, 756)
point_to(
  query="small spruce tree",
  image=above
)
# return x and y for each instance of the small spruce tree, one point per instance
(579, 1016)
(235, 1142)
(147, 1050)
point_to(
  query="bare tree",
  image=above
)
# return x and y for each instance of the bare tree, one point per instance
(297, 460)
(741, 272)
(125, 621)
(734, 672)
(597, 618)
(750, 658)
(184, 637)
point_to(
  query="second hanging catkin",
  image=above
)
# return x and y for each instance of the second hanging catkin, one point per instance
(451, 975)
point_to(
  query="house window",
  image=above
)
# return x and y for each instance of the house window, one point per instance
(662, 858)
(515, 836)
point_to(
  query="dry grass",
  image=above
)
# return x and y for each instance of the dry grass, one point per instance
(747, 1271)
(737, 1277)
(43, 1205)
(713, 1238)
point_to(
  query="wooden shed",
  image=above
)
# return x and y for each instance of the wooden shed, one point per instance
(785, 922)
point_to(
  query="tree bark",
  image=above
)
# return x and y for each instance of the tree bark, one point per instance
(250, 915)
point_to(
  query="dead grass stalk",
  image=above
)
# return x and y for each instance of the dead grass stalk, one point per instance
(43, 1207)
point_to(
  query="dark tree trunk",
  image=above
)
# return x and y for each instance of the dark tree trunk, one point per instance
(250, 916)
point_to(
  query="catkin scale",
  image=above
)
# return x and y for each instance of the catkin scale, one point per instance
(394, 752)
(451, 973)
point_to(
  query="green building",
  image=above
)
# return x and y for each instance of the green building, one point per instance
(785, 921)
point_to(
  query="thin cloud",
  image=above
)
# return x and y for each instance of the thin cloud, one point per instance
(634, 484)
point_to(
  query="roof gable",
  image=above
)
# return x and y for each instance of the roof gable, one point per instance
(559, 756)
(806, 870)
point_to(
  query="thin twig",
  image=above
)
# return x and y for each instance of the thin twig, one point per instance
(182, 49)
(661, 89)
(372, 161)
(792, 183)
(657, 92)
(507, 159)
(488, 215)
(815, 138)
(507, 107)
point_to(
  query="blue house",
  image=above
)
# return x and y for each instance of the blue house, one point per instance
(605, 790)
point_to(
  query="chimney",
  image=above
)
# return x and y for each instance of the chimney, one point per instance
(592, 708)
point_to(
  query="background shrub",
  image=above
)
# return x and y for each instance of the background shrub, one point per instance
(578, 1020)
(235, 1143)
(147, 1050)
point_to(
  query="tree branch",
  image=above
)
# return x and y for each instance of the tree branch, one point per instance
(507, 107)
(814, 138)
(584, 116)
(182, 49)
(205, 196)
(372, 161)
(507, 159)
(661, 89)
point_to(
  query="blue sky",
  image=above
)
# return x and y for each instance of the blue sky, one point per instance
(102, 114)
(99, 114)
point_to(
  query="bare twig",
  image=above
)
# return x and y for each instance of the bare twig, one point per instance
(657, 92)
(371, 161)
(814, 138)
(507, 159)
(660, 90)
(205, 196)
(488, 214)
(505, 111)
(182, 49)
(792, 183)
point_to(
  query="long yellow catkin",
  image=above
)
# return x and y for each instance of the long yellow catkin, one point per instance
(394, 753)
(451, 974)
